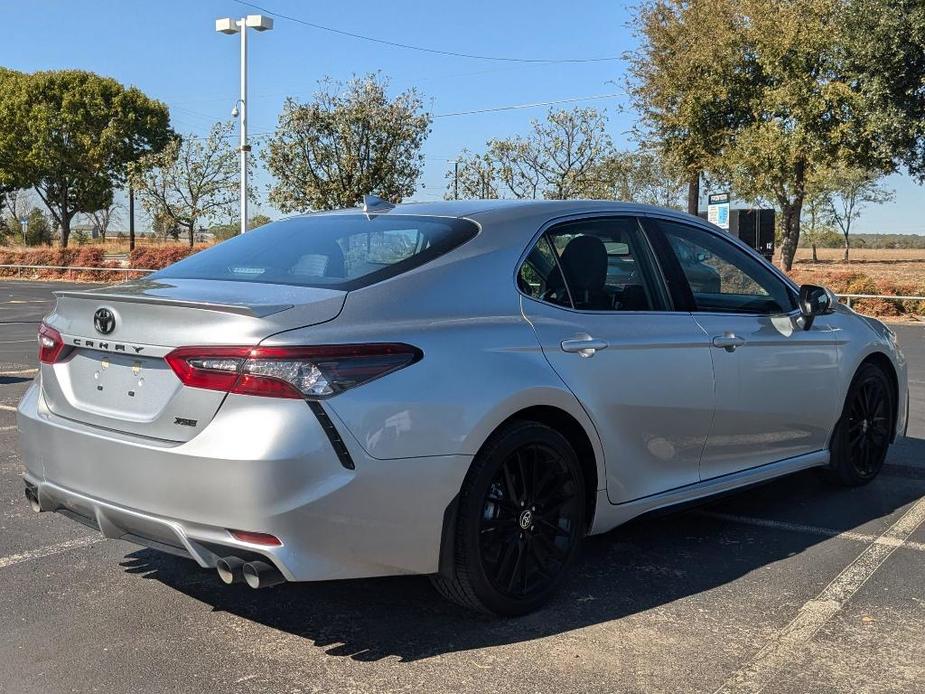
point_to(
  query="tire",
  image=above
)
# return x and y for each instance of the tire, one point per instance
(862, 435)
(520, 521)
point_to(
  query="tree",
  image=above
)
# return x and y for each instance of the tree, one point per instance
(71, 134)
(223, 232)
(104, 218)
(38, 230)
(554, 161)
(692, 80)
(884, 62)
(796, 104)
(13, 206)
(852, 190)
(643, 177)
(190, 181)
(351, 140)
(472, 176)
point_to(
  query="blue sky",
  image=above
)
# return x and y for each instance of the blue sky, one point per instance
(170, 50)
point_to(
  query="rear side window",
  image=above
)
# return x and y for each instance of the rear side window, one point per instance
(606, 262)
(336, 251)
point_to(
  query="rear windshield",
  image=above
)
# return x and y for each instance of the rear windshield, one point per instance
(336, 251)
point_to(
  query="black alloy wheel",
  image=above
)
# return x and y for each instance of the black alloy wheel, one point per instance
(529, 522)
(862, 437)
(519, 522)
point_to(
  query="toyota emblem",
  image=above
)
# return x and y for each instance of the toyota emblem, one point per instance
(104, 321)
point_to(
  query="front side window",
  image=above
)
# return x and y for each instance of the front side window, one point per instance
(721, 276)
(336, 251)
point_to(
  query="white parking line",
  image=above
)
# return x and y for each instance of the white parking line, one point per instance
(49, 550)
(8, 408)
(21, 372)
(8, 428)
(788, 645)
(812, 530)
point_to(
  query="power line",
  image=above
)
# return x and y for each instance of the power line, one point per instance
(536, 104)
(423, 49)
(493, 109)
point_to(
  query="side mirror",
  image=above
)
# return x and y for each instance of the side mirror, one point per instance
(815, 301)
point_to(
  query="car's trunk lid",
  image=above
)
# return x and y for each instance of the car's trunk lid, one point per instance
(119, 380)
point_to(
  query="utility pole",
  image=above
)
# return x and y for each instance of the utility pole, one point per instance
(240, 26)
(456, 180)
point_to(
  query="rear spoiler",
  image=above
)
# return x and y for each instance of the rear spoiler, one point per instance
(253, 310)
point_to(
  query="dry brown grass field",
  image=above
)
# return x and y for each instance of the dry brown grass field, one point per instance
(870, 271)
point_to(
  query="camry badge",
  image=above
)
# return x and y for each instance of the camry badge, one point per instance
(104, 321)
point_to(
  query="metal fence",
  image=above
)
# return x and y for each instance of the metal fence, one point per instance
(848, 297)
(74, 268)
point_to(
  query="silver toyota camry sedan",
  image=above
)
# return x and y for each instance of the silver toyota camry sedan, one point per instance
(460, 389)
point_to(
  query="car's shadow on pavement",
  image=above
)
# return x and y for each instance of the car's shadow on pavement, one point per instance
(637, 567)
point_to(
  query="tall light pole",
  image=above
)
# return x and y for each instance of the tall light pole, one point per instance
(240, 26)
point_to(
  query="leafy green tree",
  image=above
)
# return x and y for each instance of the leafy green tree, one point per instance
(190, 181)
(692, 79)
(792, 93)
(38, 231)
(71, 134)
(351, 140)
(884, 57)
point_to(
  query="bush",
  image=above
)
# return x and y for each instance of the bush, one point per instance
(86, 257)
(157, 257)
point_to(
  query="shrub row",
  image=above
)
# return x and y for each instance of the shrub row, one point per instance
(848, 281)
(151, 258)
(156, 257)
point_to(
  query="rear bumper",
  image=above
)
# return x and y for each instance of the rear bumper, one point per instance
(260, 465)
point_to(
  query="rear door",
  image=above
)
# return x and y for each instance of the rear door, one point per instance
(773, 379)
(593, 293)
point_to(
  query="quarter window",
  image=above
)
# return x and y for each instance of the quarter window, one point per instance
(540, 277)
(722, 277)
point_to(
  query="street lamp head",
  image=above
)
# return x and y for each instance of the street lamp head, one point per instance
(227, 25)
(259, 22)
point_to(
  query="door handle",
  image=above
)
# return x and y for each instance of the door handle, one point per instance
(728, 342)
(584, 346)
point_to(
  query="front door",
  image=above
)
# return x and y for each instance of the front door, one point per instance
(774, 380)
(643, 373)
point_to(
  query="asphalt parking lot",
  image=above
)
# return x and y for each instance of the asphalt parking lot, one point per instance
(791, 587)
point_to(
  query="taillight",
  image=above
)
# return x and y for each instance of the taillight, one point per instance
(289, 372)
(50, 344)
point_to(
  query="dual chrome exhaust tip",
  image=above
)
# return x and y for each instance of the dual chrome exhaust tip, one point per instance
(257, 574)
(33, 498)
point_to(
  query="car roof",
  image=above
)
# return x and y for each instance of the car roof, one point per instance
(510, 209)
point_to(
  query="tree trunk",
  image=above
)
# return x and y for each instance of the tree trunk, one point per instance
(815, 259)
(846, 247)
(192, 233)
(693, 194)
(791, 233)
(131, 218)
(65, 230)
